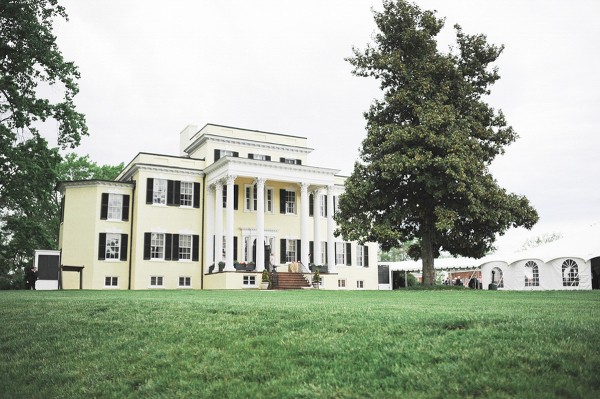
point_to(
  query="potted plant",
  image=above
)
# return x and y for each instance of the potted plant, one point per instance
(316, 281)
(265, 280)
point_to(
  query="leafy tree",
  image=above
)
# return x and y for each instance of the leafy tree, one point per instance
(30, 65)
(423, 170)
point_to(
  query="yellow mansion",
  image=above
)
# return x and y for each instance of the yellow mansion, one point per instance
(234, 202)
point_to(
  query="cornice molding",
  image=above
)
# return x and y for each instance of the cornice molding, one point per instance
(246, 142)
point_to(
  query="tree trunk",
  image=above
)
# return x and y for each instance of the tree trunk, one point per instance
(427, 253)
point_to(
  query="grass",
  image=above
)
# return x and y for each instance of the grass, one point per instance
(303, 344)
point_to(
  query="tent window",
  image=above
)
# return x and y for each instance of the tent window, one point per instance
(532, 274)
(497, 277)
(570, 273)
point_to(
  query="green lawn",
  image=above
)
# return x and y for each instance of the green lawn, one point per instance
(382, 344)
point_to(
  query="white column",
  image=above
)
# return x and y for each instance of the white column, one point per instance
(317, 227)
(330, 227)
(218, 224)
(260, 224)
(229, 226)
(210, 227)
(304, 216)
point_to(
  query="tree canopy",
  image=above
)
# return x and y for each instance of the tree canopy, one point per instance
(423, 172)
(37, 88)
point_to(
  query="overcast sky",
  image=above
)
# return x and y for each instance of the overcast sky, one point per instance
(149, 68)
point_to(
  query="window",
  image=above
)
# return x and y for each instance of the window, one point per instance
(113, 246)
(157, 246)
(185, 281)
(269, 200)
(110, 281)
(249, 280)
(260, 157)
(323, 206)
(225, 153)
(156, 281)
(159, 192)
(532, 276)
(290, 202)
(343, 254)
(323, 252)
(290, 251)
(185, 247)
(115, 205)
(336, 202)
(497, 277)
(250, 198)
(341, 283)
(290, 161)
(360, 284)
(570, 273)
(186, 194)
(360, 255)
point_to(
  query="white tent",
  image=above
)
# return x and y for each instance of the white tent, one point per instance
(564, 264)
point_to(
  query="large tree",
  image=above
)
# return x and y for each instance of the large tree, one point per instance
(423, 170)
(37, 87)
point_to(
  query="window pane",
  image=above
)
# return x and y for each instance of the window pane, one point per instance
(186, 193)
(185, 247)
(159, 194)
(113, 246)
(115, 205)
(157, 246)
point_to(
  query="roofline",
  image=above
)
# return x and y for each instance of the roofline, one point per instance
(158, 155)
(248, 130)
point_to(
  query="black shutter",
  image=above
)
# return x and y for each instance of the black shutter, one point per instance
(298, 250)
(236, 154)
(217, 155)
(170, 192)
(311, 249)
(268, 158)
(175, 248)
(348, 254)
(195, 247)
(177, 193)
(311, 204)
(104, 207)
(236, 194)
(62, 209)
(224, 196)
(147, 241)
(282, 250)
(282, 159)
(235, 250)
(196, 195)
(325, 201)
(149, 190)
(102, 247)
(282, 194)
(250, 156)
(334, 253)
(168, 246)
(325, 249)
(124, 238)
(298, 162)
(125, 209)
(366, 253)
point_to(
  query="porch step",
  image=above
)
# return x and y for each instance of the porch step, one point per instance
(291, 281)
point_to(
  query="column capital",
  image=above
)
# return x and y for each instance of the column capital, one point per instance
(230, 179)
(304, 185)
(260, 181)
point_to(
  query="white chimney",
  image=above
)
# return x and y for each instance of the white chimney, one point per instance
(184, 138)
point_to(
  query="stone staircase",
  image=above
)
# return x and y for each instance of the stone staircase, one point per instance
(290, 281)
